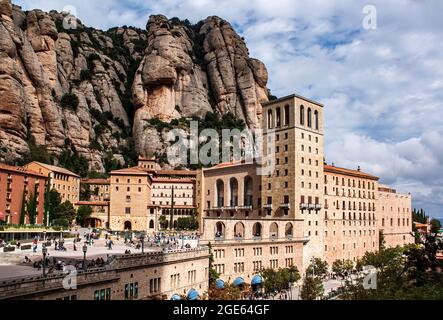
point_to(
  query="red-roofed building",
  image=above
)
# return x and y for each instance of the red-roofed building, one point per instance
(16, 183)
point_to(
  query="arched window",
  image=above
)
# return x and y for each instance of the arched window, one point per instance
(219, 230)
(239, 230)
(286, 115)
(269, 119)
(316, 120)
(248, 191)
(302, 115)
(289, 230)
(273, 231)
(233, 185)
(220, 193)
(309, 118)
(278, 117)
(257, 230)
(151, 224)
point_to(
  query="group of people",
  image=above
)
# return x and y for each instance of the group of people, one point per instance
(55, 265)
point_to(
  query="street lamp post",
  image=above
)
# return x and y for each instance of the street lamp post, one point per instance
(44, 251)
(142, 239)
(85, 249)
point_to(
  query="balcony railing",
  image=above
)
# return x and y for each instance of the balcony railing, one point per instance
(311, 206)
(285, 206)
(268, 206)
(245, 207)
(318, 207)
(303, 206)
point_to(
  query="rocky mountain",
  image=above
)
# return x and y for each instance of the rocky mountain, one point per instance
(93, 94)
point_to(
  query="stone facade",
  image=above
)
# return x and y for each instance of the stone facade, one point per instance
(140, 195)
(395, 219)
(64, 181)
(100, 213)
(293, 187)
(99, 189)
(130, 194)
(130, 277)
(15, 183)
(350, 217)
(244, 237)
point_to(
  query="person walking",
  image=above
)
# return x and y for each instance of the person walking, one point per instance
(34, 245)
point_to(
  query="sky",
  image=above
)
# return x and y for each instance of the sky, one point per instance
(378, 70)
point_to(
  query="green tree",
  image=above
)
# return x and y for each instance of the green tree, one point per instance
(52, 201)
(412, 272)
(312, 288)
(85, 192)
(187, 223)
(213, 274)
(342, 268)
(163, 221)
(70, 100)
(318, 268)
(276, 281)
(32, 207)
(83, 213)
(64, 214)
(435, 226)
(381, 240)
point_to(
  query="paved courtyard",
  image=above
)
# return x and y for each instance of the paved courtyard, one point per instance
(11, 265)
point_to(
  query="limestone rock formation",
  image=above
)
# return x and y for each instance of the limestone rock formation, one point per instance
(95, 92)
(42, 64)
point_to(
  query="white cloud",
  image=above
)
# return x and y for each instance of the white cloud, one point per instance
(382, 88)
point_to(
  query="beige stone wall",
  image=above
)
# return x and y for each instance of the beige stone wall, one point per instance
(99, 191)
(130, 197)
(245, 237)
(395, 217)
(298, 162)
(184, 193)
(67, 185)
(246, 258)
(175, 273)
(351, 227)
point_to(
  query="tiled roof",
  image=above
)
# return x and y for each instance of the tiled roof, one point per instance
(92, 203)
(349, 172)
(96, 181)
(21, 170)
(172, 180)
(130, 171)
(57, 169)
(231, 164)
(176, 172)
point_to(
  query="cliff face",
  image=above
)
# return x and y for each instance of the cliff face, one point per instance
(94, 91)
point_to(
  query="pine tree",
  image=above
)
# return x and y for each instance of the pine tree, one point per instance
(32, 207)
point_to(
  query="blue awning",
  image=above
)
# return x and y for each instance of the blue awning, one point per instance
(239, 281)
(193, 294)
(220, 284)
(176, 297)
(257, 280)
